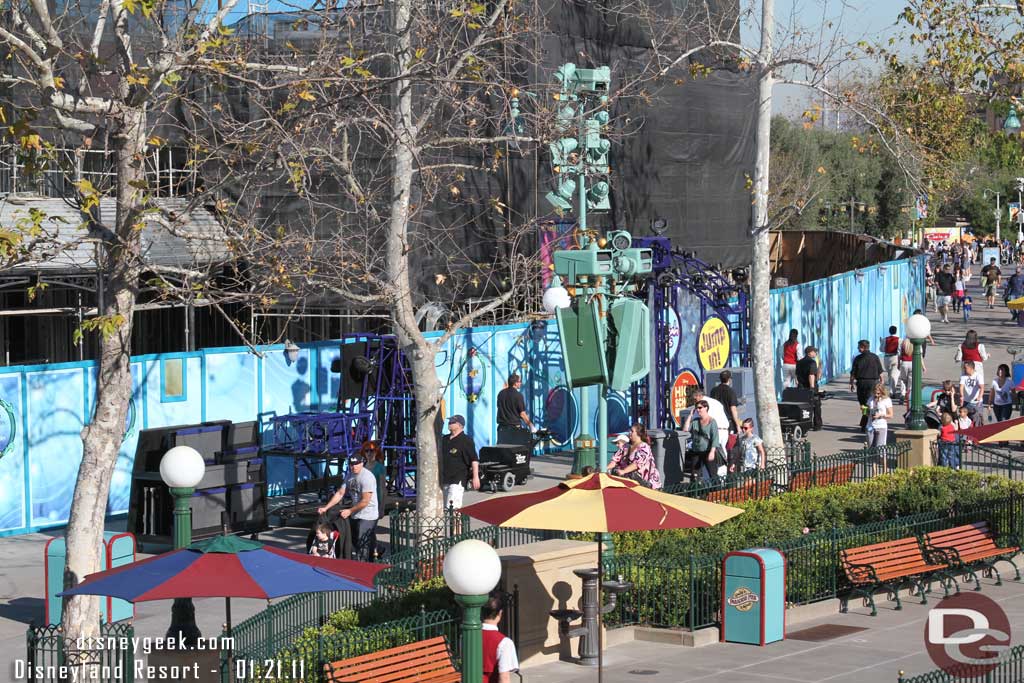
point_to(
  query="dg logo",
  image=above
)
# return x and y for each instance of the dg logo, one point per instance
(967, 635)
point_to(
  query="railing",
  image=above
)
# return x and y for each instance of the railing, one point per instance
(49, 650)
(805, 471)
(407, 529)
(1009, 669)
(686, 592)
(982, 458)
(304, 659)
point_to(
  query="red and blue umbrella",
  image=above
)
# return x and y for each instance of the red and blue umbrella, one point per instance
(228, 567)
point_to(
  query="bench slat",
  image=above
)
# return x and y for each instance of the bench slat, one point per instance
(889, 559)
(425, 661)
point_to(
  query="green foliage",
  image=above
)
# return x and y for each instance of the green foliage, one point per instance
(784, 518)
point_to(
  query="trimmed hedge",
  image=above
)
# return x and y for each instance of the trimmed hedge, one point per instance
(789, 516)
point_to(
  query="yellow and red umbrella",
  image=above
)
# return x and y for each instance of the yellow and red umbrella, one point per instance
(600, 503)
(1016, 304)
(1007, 430)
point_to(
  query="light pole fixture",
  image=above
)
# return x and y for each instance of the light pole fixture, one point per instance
(918, 329)
(472, 570)
(556, 296)
(182, 468)
(291, 350)
(1011, 124)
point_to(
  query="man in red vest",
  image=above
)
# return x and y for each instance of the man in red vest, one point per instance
(500, 658)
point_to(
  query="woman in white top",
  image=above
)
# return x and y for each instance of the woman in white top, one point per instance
(1001, 394)
(971, 349)
(879, 412)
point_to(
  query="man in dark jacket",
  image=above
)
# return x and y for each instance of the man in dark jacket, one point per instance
(864, 375)
(459, 463)
(945, 285)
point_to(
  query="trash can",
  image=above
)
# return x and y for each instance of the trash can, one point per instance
(118, 549)
(658, 447)
(754, 596)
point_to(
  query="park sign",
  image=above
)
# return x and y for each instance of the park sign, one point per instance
(680, 394)
(713, 344)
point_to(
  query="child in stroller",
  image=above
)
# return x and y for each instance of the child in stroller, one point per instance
(329, 539)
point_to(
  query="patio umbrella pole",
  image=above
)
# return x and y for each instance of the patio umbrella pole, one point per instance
(600, 604)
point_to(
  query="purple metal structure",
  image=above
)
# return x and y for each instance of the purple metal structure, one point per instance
(675, 271)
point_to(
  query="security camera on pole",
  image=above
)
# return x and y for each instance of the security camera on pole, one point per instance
(599, 279)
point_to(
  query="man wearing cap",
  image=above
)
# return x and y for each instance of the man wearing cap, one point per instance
(512, 412)
(459, 463)
(360, 486)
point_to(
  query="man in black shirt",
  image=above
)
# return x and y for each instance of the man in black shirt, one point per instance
(807, 373)
(459, 463)
(512, 413)
(945, 285)
(866, 371)
(725, 395)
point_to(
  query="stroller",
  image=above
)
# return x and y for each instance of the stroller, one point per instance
(341, 536)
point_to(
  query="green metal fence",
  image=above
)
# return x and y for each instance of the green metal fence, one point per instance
(984, 459)
(51, 656)
(685, 592)
(305, 657)
(818, 471)
(1010, 669)
(406, 529)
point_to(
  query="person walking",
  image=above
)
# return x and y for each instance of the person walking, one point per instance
(906, 360)
(880, 412)
(359, 495)
(991, 276)
(971, 391)
(807, 374)
(749, 450)
(959, 287)
(945, 285)
(459, 463)
(634, 459)
(972, 350)
(1014, 290)
(500, 658)
(717, 412)
(703, 443)
(790, 350)
(864, 375)
(512, 413)
(724, 394)
(890, 347)
(1001, 393)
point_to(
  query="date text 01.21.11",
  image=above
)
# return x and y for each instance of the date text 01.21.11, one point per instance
(269, 669)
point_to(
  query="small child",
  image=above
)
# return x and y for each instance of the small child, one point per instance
(949, 452)
(967, 308)
(964, 421)
(323, 545)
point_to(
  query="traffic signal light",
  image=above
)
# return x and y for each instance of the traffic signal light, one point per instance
(628, 343)
(563, 194)
(597, 197)
(562, 154)
(593, 81)
(597, 147)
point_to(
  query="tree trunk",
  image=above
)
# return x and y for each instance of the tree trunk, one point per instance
(102, 437)
(418, 350)
(762, 352)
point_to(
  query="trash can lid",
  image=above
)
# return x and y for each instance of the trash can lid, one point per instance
(768, 558)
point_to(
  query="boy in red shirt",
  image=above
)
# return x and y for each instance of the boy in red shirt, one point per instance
(949, 451)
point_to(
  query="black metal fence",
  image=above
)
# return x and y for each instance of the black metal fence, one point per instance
(54, 658)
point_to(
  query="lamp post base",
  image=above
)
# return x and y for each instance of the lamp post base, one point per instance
(183, 622)
(921, 441)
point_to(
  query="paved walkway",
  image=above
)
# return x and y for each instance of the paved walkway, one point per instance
(22, 582)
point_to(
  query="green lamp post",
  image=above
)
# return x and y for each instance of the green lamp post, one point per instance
(472, 569)
(182, 468)
(918, 329)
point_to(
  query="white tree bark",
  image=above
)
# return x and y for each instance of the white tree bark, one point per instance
(420, 353)
(762, 352)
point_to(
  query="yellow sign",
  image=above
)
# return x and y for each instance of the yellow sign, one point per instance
(713, 344)
(743, 600)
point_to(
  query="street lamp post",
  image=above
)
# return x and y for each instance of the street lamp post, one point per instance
(998, 212)
(472, 570)
(182, 468)
(918, 329)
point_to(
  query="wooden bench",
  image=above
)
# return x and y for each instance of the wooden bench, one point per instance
(827, 476)
(970, 547)
(426, 661)
(751, 490)
(890, 565)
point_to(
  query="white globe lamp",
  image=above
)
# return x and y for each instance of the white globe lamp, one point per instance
(556, 297)
(182, 467)
(918, 327)
(472, 568)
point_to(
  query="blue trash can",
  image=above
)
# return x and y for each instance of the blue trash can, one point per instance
(118, 549)
(754, 596)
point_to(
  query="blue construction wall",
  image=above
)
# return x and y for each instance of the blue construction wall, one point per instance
(43, 408)
(832, 314)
